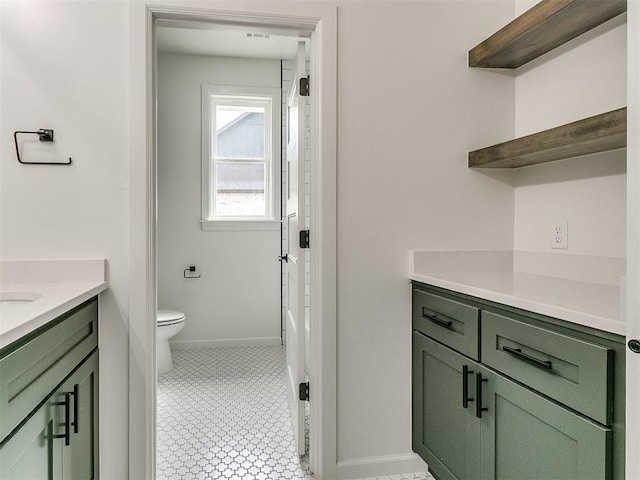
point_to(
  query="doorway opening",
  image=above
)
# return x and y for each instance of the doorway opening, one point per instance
(320, 19)
(226, 261)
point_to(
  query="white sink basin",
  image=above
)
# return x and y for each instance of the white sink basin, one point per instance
(18, 297)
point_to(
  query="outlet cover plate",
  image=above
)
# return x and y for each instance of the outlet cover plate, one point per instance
(559, 234)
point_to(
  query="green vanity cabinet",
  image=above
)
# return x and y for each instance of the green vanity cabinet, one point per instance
(549, 406)
(52, 375)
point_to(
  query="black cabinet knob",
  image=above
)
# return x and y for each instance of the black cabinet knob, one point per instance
(634, 345)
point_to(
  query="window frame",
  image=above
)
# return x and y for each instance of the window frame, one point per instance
(270, 98)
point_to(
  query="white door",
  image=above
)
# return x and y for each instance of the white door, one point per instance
(295, 264)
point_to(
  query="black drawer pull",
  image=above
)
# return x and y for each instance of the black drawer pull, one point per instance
(516, 352)
(465, 386)
(438, 321)
(479, 407)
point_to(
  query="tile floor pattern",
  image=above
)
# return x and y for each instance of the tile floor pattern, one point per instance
(223, 414)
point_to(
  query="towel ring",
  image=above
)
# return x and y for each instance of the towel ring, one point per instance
(44, 135)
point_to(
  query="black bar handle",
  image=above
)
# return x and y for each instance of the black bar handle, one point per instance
(76, 401)
(438, 321)
(465, 386)
(516, 352)
(479, 407)
(67, 419)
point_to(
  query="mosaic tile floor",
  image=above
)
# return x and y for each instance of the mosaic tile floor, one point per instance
(223, 414)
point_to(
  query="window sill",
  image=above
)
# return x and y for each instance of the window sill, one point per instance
(240, 225)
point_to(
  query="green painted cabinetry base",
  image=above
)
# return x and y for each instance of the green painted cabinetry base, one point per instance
(507, 415)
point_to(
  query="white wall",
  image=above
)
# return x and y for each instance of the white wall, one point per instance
(238, 294)
(64, 67)
(585, 77)
(409, 110)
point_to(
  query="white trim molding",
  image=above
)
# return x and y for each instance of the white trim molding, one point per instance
(240, 225)
(385, 465)
(319, 21)
(632, 306)
(225, 343)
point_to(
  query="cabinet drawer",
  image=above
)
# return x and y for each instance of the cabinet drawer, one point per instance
(450, 322)
(32, 370)
(576, 373)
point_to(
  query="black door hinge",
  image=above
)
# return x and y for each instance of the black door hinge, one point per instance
(304, 86)
(304, 238)
(303, 390)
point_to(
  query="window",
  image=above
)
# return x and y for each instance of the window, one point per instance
(240, 152)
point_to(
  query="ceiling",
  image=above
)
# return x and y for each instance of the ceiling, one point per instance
(227, 42)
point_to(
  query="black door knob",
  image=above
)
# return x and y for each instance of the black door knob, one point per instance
(634, 345)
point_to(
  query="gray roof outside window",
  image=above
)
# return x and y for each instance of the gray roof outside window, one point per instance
(241, 138)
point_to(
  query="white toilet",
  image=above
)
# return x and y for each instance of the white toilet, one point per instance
(169, 323)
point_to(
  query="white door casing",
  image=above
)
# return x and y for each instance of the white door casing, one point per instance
(295, 329)
(320, 19)
(632, 303)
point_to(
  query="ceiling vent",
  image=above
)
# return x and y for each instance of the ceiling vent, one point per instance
(257, 35)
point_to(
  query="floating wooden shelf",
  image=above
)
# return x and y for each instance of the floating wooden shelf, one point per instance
(546, 26)
(607, 131)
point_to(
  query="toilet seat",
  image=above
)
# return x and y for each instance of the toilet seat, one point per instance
(169, 317)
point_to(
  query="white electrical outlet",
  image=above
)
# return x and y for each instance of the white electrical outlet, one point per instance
(559, 234)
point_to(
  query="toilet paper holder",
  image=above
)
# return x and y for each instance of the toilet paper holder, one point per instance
(191, 269)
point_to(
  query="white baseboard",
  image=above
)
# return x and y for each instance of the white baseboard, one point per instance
(224, 343)
(376, 466)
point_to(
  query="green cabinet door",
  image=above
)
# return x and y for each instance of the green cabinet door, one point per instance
(59, 441)
(445, 433)
(79, 460)
(527, 437)
(33, 451)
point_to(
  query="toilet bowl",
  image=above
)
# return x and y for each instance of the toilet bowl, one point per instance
(169, 323)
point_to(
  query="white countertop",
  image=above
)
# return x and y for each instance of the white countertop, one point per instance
(61, 285)
(591, 304)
